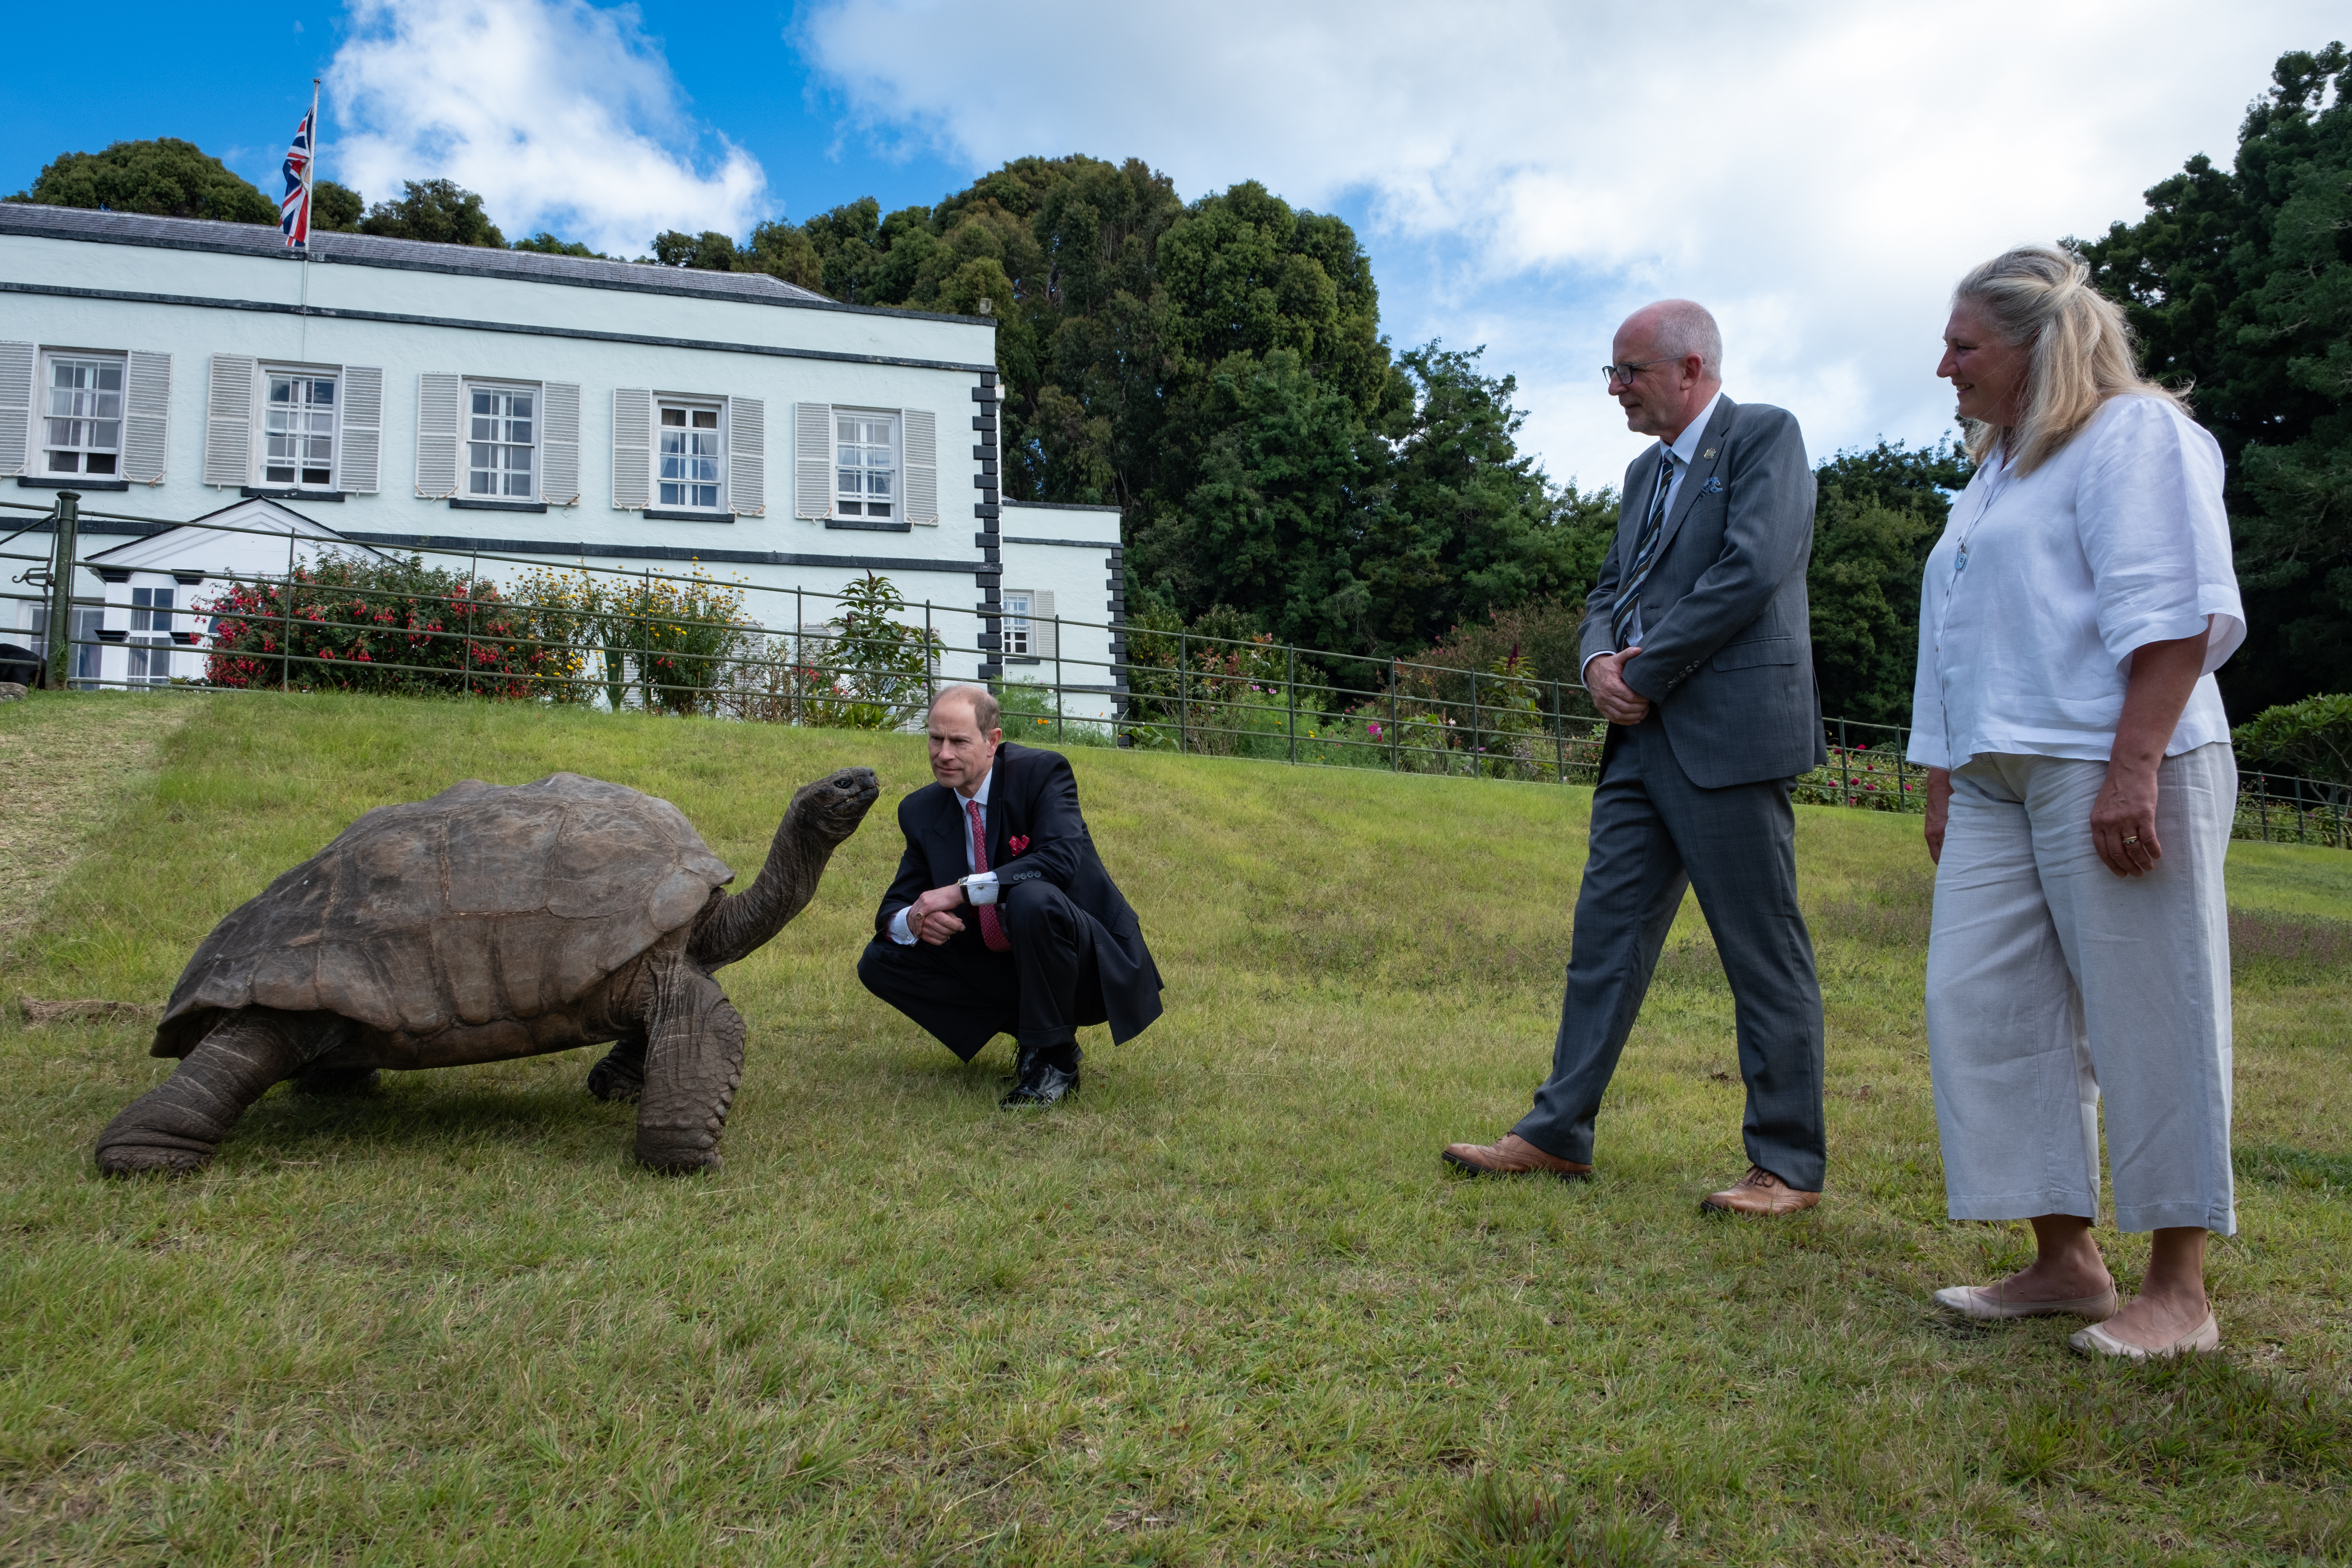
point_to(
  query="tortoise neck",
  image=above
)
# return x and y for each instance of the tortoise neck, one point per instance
(740, 925)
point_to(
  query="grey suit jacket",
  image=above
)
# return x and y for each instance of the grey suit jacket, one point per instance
(1727, 651)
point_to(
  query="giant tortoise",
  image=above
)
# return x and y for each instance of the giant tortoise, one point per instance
(490, 921)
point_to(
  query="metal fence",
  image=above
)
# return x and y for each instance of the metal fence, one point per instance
(690, 644)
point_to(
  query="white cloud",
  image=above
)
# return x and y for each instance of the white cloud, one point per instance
(561, 114)
(1817, 171)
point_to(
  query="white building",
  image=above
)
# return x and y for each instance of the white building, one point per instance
(531, 408)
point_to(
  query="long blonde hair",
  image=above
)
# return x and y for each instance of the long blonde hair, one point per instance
(2082, 354)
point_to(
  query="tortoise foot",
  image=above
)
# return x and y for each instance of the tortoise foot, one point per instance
(621, 1076)
(333, 1083)
(681, 1161)
(149, 1160)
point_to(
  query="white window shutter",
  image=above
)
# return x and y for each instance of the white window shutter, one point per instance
(1041, 625)
(440, 398)
(812, 461)
(919, 438)
(559, 450)
(146, 416)
(362, 429)
(17, 362)
(633, 448)
(228, 421)
(747, 457)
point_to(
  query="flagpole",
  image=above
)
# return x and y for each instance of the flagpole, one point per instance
(310, 219)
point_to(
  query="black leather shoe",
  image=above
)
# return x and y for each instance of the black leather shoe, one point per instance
(1037, 1081)
(1045, 1085)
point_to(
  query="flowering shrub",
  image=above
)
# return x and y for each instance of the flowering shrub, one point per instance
(1875, 778)
(347, 623)
(867, 670)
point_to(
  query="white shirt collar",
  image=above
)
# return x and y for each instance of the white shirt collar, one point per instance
(1694, 432)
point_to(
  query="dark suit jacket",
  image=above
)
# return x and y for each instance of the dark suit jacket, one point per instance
(1034, 796)
(1726, 648)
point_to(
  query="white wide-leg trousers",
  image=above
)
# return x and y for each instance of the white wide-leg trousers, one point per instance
(2051, 979)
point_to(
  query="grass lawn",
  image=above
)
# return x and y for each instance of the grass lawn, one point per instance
(1224, 1307)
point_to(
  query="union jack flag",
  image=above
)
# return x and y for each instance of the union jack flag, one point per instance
(294, 210)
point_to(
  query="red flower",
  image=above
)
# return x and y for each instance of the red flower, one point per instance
(1019, 842)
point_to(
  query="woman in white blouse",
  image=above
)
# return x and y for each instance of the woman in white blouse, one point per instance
(2080, 791)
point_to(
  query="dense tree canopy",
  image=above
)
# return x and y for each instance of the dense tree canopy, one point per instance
(1217, 369)
(166, 178)
(2239, 282)
(437, 210)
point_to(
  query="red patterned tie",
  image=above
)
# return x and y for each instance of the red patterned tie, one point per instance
(992, 930)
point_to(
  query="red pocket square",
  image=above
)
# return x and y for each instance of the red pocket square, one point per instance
(1019, 843)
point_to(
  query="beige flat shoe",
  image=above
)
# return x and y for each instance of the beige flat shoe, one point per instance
(2096, 1340)
(1987, 1304)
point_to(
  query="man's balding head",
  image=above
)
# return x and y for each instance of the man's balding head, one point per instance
(963, 736)
(1677, 351)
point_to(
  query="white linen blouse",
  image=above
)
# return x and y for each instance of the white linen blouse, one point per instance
(2118, 541)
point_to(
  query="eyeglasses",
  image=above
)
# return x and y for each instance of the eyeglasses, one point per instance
(1614, 373)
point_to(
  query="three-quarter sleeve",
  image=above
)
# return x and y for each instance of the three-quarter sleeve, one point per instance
(2156, 537)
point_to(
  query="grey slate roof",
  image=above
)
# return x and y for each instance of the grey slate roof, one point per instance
(411, 255)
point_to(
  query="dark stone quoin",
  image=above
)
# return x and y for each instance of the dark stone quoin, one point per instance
(490, 922)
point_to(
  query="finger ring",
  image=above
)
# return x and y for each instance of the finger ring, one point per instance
(2131, 837)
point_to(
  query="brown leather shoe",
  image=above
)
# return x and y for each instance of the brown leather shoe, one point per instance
(1758, 1192)
(1513, 1156)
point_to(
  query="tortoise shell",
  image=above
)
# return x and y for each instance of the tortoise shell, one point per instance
(486, 905)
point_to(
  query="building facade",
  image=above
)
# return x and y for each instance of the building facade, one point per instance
(523, 409)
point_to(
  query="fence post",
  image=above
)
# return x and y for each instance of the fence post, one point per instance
(1290, 695)
(473, 585)
(1902, 784)
(2262, 804)
(1060, 725)
(930, 694)
(286, 632)
(66, 546)
(2299, 836)
(1845, 768)
(1477, 750)
(1559, 738)
(1184, 691)
(1396, 749)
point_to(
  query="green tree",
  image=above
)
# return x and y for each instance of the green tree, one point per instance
(547, 244)
(335, 209)
(2239, 283)
(435, 210)
(1878, 513)
(165, 177)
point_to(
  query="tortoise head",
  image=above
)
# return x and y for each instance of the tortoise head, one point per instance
(831, 807)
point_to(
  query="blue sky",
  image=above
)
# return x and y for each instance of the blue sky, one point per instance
(1523, 173)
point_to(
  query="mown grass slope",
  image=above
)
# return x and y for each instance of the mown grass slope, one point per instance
(1224, 1308)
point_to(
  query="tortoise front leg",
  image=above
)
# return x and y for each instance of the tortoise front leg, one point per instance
(174, 1127)
(694, 1060)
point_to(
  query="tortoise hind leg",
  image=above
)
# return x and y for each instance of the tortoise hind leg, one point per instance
(174, 1127)
(621, 1074)
(694, 1060)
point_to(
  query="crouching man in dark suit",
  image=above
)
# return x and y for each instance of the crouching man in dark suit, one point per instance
(1002, 918)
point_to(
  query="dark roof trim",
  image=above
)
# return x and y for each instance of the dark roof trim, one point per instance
(271, 308)
(653, 553)
(1073, 544)
(39, 230)
(1060, 506)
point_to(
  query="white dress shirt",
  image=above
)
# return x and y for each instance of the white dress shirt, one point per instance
(977, 890)
(2118, 541)
(1680, 450)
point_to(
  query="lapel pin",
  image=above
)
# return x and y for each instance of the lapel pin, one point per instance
(1709, 452)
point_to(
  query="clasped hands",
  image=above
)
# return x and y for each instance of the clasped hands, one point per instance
(928, 919)
(1605, 679)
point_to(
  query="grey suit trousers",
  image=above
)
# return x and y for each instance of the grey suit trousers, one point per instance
(1655, 833)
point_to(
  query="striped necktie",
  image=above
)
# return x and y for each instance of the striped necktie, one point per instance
(1645, 554)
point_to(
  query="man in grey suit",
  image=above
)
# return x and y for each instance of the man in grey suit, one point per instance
(1697, 652)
